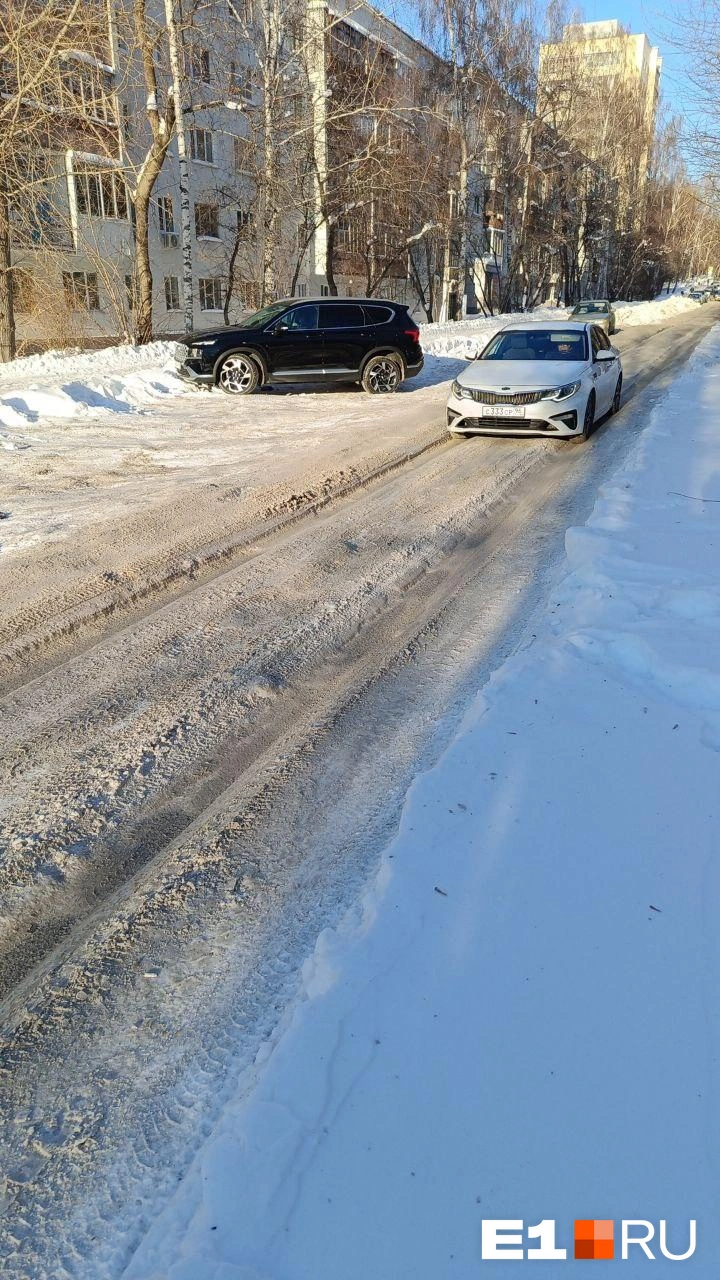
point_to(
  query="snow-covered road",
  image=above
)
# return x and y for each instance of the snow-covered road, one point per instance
(191, 797)
(519, 1021)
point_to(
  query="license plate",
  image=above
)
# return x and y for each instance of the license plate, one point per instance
(504, 410)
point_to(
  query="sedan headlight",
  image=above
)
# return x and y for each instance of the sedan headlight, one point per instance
(564, 393)
(459, 390)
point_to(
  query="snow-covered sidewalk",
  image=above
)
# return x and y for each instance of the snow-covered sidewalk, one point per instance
(520, 1020)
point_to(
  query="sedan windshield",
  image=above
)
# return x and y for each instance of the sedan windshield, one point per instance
(262, 316)
(529, 344)
(589, 308)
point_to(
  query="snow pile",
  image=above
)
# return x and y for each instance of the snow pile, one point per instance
(73, 384)
(520, 1019)
(662, 308)
(464, 338)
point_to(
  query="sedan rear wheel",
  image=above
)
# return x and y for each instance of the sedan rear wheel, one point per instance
(382, 374)
(238, 375)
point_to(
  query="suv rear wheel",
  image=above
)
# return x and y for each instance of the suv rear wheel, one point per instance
(382, 374)
(238, 375)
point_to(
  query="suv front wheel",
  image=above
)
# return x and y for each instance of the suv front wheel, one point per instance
(382, 374)
(238, 375)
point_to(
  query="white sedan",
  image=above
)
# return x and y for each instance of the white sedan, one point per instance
(538, 379)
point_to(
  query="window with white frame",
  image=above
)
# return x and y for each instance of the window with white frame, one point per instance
(101, 195)
(87, 91)
(211, 294)
(207, 222)
(201, 145)
(245, 221)
(81, 290)
(166, 222)
(172, 293)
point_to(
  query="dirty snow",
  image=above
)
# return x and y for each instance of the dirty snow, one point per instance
(520, 1018)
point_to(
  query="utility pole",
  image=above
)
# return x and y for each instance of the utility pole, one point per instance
(177, 69)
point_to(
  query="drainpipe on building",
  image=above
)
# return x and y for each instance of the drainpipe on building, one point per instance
(174, 42)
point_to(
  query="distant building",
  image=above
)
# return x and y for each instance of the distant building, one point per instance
(592, 54)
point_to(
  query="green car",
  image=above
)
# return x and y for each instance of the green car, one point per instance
(597, 311)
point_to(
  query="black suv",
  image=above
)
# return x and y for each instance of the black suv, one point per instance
(322, 340)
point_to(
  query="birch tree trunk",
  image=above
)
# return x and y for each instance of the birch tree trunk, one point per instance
(7, 316)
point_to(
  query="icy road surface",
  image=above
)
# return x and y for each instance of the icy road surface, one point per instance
(217, 693)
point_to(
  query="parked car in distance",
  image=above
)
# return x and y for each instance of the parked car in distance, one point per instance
(539, 379)
(324, 340)
(596, 310)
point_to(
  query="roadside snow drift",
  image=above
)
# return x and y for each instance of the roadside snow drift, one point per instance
(520, 1020)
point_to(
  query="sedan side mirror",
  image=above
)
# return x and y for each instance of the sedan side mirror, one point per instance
(606, 355)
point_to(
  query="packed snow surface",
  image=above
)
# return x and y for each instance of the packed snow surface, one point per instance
(520, 1018)
(94, 385)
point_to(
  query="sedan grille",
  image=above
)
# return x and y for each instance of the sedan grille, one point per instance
(510, 397)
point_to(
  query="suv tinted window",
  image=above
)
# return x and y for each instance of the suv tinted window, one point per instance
(377, 315)
(341, 315)
(303, 318)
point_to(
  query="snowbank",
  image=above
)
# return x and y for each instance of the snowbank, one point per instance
(662, 308)
(464, 338)
(521, 1018)
(83, 384)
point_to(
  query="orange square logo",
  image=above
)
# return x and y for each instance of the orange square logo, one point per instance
(594, 1238)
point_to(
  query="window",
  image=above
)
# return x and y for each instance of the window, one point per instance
(245, 222)
(172, 294)
(476, 205)
(324, 291)
(130, 293)
(377, 315)
(242, 156)
(199, 64)
(23, 290)
(207, 225)
(166, 222)
(101, 195)
(127, 122)
(341, 315)
(211, 291)
(241, 85)
(302, 319)
(87, 91)
(81, 290)
(201, 145)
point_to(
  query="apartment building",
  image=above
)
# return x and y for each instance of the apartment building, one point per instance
(599, 87)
